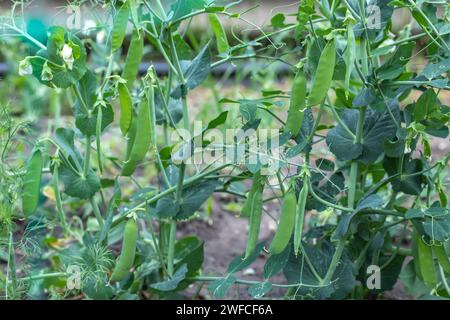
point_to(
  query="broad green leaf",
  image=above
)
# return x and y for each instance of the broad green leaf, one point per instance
(171, 284)
(409, 185)
(219, 288)
(371, 202)
(434, 70)
(195, 73)
(189, 251)
(258, 290)
(426, 104)
(297, 271)
(239, 263)
(378, 127)
(78, 186)
(62, 75)
(276, 262)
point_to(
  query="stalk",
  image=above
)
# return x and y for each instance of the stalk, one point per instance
(351, 200)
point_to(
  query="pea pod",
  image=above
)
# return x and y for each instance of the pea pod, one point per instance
(253, 209)
(133, 60)
(142, 136)
(300, 214)
(442, 257)
(350, 55)
(120, 27)
(286, 224)
(324, 75)
(297, 105)
(126, 108)
(32, 183)
(126, 259)
(219, 32)
(426, 263)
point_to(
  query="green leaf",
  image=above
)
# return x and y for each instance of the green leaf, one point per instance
(325, 164)
(425, 105)
(378, 127)
(86, 120)
(372, 201)
(196, 72)
(409, 185)
(239, 263)
(434, 70)
(181, 8)
(435, 222)
(278, 20)
(258, 290)
(192, 199)
(77, 186)
(189, 251)
(276, 262)
(219, 288)
(320, 256)
(171, 284)
(63, 76)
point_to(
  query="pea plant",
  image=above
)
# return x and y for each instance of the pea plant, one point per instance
(361, 191)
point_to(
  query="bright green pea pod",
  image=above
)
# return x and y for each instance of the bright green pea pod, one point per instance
(300, 215)
(324, 75)
(133, 60)
(126, 108)
(297, 105)
(126, 259)
(219, 32)
(142, 138)
(286, 224)
(426, 263)
(442, 257)
(350, 55)
(32, 183)
(120, 27)
(253, 209)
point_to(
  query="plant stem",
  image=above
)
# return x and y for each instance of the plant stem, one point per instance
(251, 282)
(351, 200)
(171, 251)
(87, 157)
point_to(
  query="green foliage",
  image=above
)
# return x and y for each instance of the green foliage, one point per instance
(355, 171)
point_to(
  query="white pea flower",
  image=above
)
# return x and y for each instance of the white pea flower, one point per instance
(25, 67)
(47, 74)
(67, 56)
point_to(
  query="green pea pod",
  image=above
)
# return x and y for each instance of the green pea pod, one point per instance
(426, 263)
(297, 105)
(126, 108)
(286, 224)
(133, 60)
(324, 75)
(120, 27)
(300, 215)
(253, 209)
(126, 259)
(442, 256)
(219, 32)
(142, 137)
(350, 55)
(32, 183)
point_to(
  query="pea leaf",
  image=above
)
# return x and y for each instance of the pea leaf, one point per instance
(258, 290)
(297, 271)
(195, 73)
(220, 287)
(410, 185)
(62, 75)
(77, 186)
(433, 70)
(378, 127)
(435, 222)
(172, 283)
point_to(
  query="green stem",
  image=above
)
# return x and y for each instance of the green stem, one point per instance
(251, 282)
(97, 212)
(87, 157)
(171, 251)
